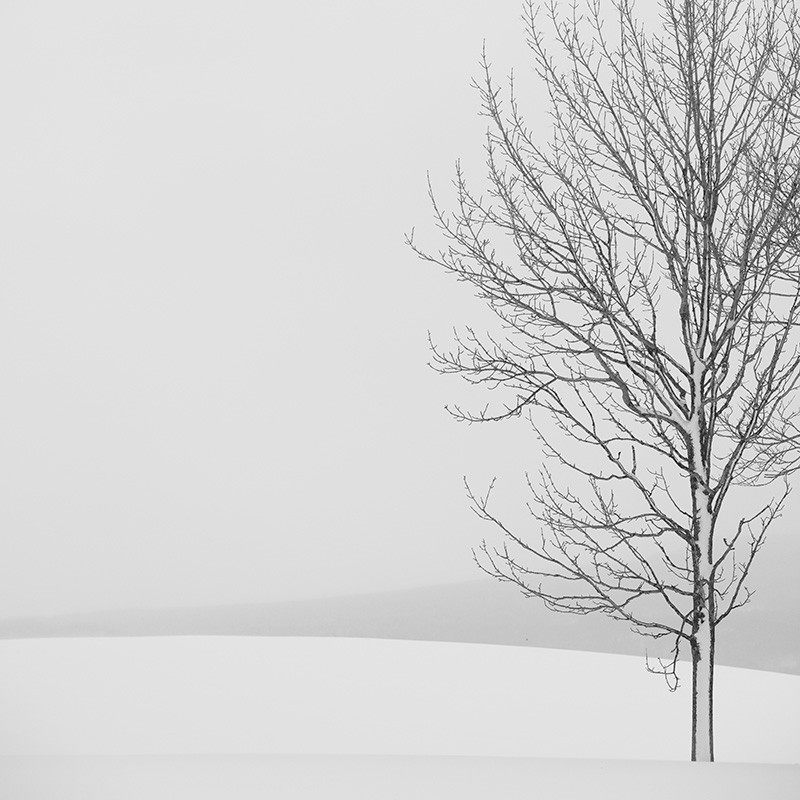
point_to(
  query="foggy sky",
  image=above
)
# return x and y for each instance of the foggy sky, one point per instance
(212, 337)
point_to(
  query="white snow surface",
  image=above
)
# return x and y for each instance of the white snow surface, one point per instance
(209, 695)
(255, 777)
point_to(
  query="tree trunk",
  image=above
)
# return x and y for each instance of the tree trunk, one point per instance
(703, 693)
(704, 617)
(702, 642)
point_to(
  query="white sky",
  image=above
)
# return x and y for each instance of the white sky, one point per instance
(212, 337)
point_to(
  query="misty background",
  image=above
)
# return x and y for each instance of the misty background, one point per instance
(213, 340)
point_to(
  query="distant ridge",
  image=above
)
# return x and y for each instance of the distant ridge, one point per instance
(763, 635)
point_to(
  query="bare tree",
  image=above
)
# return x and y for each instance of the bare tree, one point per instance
(647, 310)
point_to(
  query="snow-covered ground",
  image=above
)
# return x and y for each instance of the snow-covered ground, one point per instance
(253, 777)
(216, 718)
(195, 695)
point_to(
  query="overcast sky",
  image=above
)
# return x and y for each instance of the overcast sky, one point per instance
(212, 337)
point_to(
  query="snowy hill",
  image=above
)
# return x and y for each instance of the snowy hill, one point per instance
(193, 695)
(215, 718)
